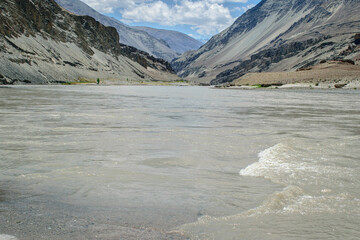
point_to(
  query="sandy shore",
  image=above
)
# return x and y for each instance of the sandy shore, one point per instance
(332, 74)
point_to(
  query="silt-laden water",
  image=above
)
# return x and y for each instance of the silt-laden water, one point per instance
(134, 162)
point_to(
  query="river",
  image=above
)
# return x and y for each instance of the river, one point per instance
(154, 162)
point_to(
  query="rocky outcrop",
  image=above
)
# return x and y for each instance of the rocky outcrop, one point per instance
(42, 43)
(276, 35)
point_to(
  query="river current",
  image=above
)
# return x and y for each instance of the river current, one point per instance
(148, 162)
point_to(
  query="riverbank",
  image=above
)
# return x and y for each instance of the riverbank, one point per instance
(128, 82)
(332, 74)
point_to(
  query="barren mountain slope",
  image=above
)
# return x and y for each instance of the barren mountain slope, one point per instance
(42, 43)
(159, 43)
(280, 35)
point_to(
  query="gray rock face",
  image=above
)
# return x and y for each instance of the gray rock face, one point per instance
(159, 43)
(41, 43)
(275, 35)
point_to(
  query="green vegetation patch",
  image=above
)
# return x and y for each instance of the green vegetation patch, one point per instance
(80, 80)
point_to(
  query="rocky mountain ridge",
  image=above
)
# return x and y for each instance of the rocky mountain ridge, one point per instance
(177, 41)
(163, 44)
(275, 35)
(42, 43)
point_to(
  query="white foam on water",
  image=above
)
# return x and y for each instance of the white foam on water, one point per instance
(270, 161)
(287, 165)
(7, 237)
(308, 167)
(294, 200)
(282, 164)
(308, 178)
(342, 203)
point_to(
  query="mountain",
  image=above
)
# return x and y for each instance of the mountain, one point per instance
(42, 43)
(128, 36)
(177, 41)
(159, 43)
(276, 35)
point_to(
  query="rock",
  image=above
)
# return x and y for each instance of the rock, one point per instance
(4, 80)
(340, 85)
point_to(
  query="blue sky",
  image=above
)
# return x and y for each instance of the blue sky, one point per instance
(200, 19)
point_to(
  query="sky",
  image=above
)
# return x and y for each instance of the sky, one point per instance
(200, 19)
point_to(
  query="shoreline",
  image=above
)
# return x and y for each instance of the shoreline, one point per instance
(109, 83)
(353, 85)
(327, 75)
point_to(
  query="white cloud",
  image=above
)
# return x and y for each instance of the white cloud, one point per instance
(205, 16)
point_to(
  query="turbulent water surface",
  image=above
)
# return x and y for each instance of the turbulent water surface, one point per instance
(115, 162)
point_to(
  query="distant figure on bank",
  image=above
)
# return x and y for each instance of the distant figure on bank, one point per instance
(98, 81)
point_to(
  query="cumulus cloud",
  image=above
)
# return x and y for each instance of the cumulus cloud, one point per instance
(205, 16)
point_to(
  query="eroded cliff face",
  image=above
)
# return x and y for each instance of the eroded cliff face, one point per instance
(276, 35)
(42, 43)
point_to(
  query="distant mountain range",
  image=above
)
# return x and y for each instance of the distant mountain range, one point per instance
(41, 43)
(159, 43)
(276, 35)
(177, 41)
